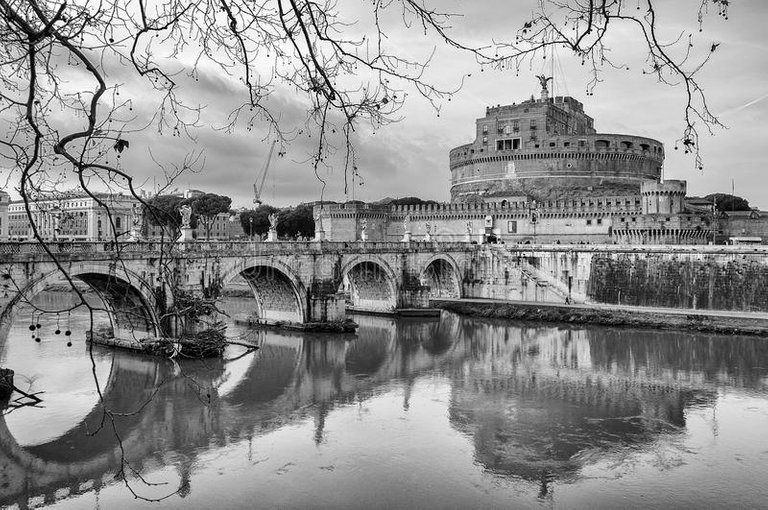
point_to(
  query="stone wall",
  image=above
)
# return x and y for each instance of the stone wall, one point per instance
(705, 277)
(714, 282)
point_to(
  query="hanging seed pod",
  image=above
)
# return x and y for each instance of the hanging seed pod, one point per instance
(69, 344)
(67, 333)
(32, 327)
(57, 332)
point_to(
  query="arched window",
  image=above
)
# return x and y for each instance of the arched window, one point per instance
(602, 144)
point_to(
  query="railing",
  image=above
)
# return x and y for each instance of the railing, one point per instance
(220, 247)
(703, 249)
(245, 248)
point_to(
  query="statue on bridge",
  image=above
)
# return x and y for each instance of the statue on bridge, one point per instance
(468, 236)
(272, 234)
(407, 228)
(319, 232)
(364, 229)
(428, 232)
(186, 227)
(136, 218)
(186, 216)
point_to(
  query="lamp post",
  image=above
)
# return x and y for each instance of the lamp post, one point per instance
(250, 229)
(55, 214)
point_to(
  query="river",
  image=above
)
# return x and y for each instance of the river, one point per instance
(409, 413)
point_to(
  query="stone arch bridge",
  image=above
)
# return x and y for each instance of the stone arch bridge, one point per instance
(299, 282)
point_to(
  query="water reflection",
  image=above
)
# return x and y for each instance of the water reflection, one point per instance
(534, 401)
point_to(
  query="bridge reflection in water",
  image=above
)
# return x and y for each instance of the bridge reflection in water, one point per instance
(533, 400)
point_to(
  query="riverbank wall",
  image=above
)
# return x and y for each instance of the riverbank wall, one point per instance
(653, 318)
(731, 278)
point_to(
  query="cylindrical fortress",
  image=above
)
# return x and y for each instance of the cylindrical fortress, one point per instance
(548, 149)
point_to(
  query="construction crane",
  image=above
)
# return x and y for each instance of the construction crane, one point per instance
(259, 187)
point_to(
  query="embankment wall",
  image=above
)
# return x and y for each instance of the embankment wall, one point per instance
(684, 277)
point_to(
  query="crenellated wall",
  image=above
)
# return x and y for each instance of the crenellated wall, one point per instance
(596, 220)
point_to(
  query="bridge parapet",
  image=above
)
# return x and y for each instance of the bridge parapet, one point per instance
(133, 250)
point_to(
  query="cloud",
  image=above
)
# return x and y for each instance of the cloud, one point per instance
(410, 157)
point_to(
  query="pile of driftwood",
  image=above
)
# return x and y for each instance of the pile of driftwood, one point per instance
(206, 343)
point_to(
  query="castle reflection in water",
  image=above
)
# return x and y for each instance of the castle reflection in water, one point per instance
(531, 398)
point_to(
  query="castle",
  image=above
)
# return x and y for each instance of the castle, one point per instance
(539, 172)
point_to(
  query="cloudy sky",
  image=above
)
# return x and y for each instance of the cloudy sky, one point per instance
(410, 157)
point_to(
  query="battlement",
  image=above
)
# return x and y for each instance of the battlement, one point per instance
(609, 204)
(669, 187)
(565, 102)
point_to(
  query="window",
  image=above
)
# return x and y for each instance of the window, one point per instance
(507, 130)
(533, 124)
(118, 222)
(512, 227)
(566, 144)
(516, 143)
(599, 221)
(582, 143)
(552, 144)
(499, 145)
(516, 126)
(485, 140)
(485, 130)
(589, 222)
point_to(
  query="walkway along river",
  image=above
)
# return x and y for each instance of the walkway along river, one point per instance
(458, 412)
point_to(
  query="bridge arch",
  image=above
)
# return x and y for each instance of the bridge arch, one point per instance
(279, 293)
(128, 299)
(442, 274)
(371, 283)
